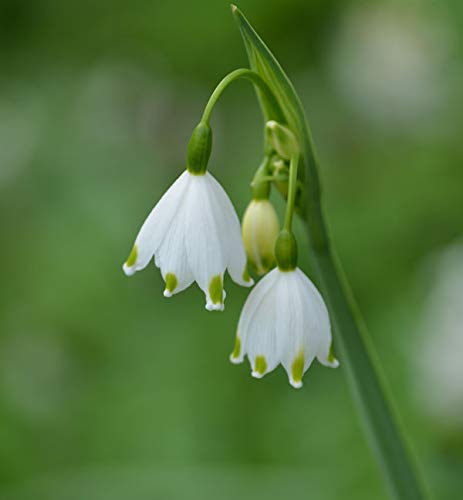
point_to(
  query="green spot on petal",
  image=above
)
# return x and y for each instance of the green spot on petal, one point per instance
(246, 276)
(237, 350)
(297, 368)
(331, 357)
(261, 365)
(132, 257)
(171, 282)
(216, 289)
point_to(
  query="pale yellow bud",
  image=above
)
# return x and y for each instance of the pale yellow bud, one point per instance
(260, 230)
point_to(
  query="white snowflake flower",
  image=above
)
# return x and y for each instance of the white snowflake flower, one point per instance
(284, 320)
(194, 235)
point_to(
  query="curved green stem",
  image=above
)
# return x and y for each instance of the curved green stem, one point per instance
(271, 178)
(260, 185)
(291, 191)
(257, 80)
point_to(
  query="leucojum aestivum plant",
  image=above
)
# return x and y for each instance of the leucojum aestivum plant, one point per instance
(194, 234)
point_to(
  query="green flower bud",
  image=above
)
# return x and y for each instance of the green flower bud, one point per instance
(282, 139)
(199, 149)
(260, 230)
(286, 251)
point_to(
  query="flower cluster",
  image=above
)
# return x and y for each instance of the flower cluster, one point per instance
(194, 234)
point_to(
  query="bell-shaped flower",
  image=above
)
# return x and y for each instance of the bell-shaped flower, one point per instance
(194, 234)
(260, 228)
(284, 320)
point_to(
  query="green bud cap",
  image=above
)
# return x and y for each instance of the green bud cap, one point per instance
(282, 139)
(199, 149)
(260, 189)
(260, 185)
(286, 251)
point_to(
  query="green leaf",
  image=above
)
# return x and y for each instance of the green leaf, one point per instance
(263, 62)
(351, 338)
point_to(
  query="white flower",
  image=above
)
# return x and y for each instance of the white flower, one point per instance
(194, 235)
(284, 320)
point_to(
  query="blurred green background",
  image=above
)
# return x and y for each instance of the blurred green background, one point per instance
(110, 391)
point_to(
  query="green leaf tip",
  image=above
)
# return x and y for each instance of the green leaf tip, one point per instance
(266, 65)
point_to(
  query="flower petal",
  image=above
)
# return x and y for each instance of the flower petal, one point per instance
(171, 256)
(202, 238)
(231, 239)
(261, 339)
(155, 226)
(248, 315)
(296, 356)
(317, 322)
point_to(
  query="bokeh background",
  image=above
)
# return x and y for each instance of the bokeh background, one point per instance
(110, 391)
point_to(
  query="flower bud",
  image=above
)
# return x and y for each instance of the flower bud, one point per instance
(260, 230)
(282, 139)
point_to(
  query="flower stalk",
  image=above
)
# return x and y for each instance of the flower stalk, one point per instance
(290, 202)
(256, 79)
(260, 184)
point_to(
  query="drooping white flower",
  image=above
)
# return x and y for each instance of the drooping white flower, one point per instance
(284, 320)
(194, 235)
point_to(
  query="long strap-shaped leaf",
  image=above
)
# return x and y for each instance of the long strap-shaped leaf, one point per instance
(351, 339)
